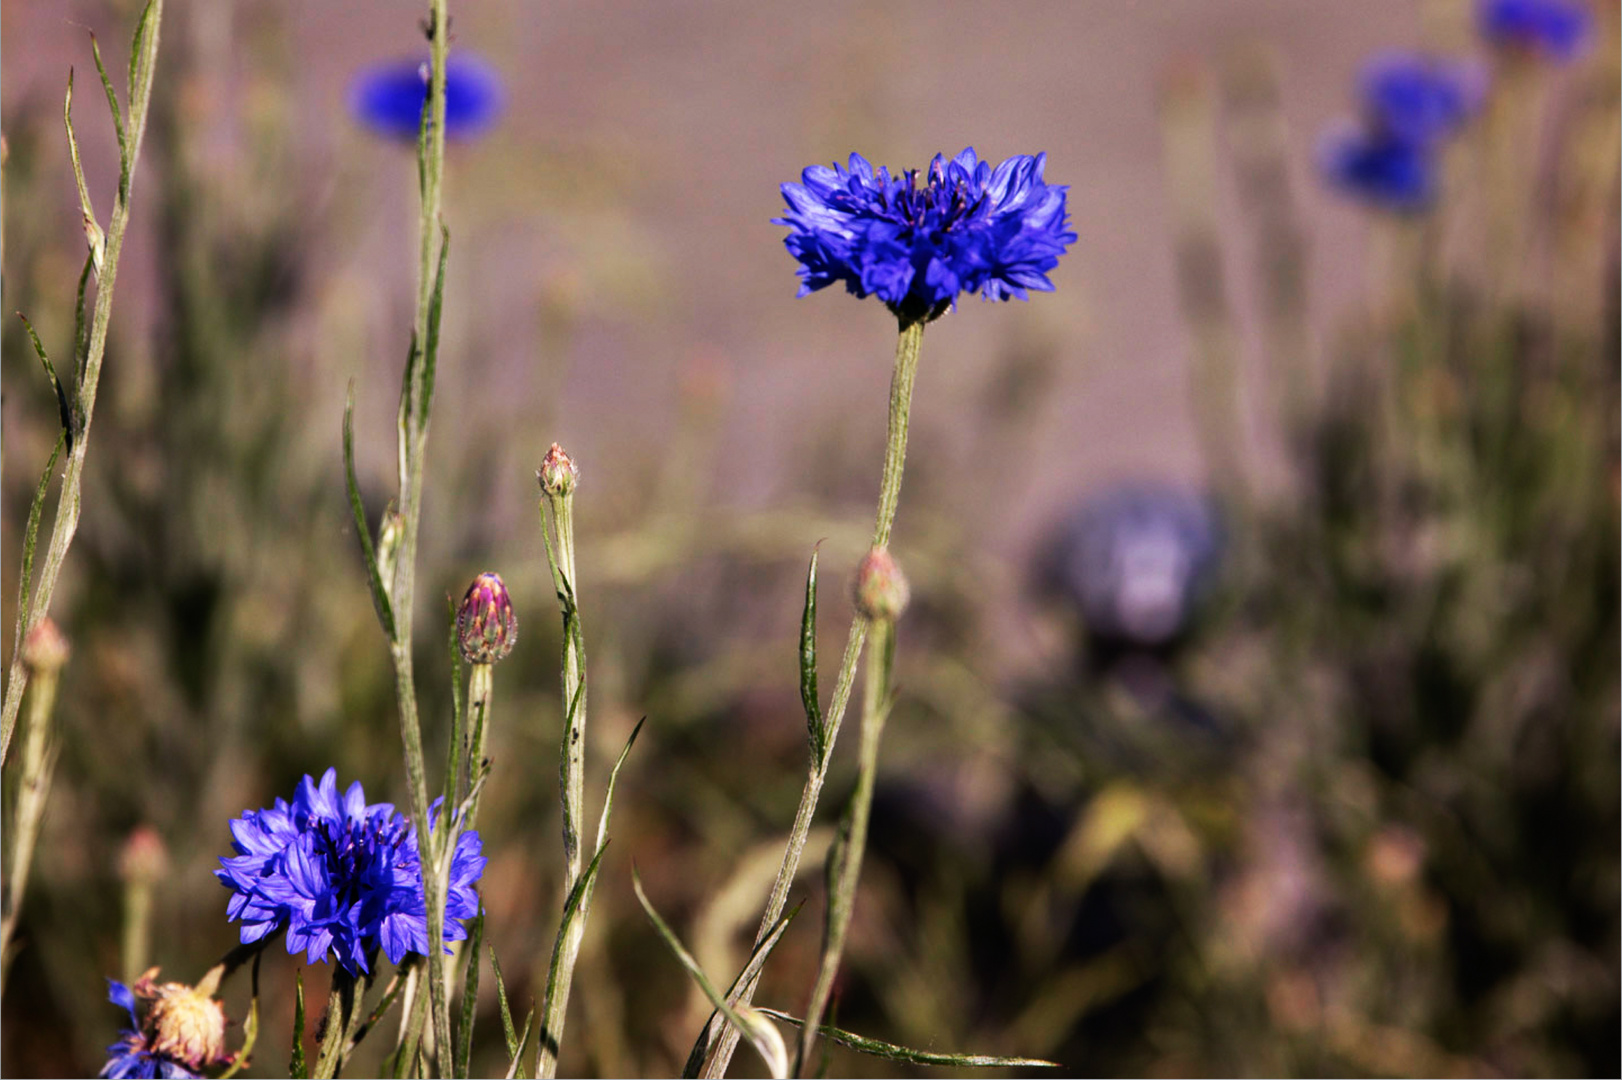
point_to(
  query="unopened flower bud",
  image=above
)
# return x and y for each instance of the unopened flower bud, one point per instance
(881, 587)
(144, 858)
(185, 1023)
(558, 474)
(485, 624)
(45, 650)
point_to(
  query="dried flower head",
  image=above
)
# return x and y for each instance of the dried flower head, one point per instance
(558, 474)
(182, 1034)
(486, 627)
(881, 588)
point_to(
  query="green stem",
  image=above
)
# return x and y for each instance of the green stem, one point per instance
(480, 692)
(67, 505)
(342, 1021)
(847, 871)
(39, 757)
(722, 1038)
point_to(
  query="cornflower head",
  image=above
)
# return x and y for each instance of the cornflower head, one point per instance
(1379, 168)
(182, 1034)
(1555, 29)
(389, 97)
(486, 627)
(917, 242)
(343, 875)
(1420, 99)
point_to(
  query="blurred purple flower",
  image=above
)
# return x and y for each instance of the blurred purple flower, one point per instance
(1380, 168)
(1419, 98)
(967, 228)
(1557, 29)
(388, 98)
(340, 874)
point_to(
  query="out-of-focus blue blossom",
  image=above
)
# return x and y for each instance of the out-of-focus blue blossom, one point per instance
(1419, 98)
(388, 98)
(133, 1056)
(340, 874)
(1135, 562)
(966, 228)
(1557, 29)
(1379, 168)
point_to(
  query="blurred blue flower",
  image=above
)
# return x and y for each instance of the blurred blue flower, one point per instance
(1558, 29)
(967, 228)
(388, 98)
(1135, 561)
(1380, 169)
(133, 1055)
(1418, 98)
(340, 874)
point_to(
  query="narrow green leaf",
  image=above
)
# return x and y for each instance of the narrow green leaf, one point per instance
(430, 352)
(407, 392)
(523, 1041)
(571, 911)
(250, 1030)
(64, 408)
(380, 598)
(745, 1028)
(506, 1009)
(297, 1067)
(141, 59)
(112, 107)
(613, 775)
(30, 538)
(81, 336)
(390, 993)
(892, 1052)
(470, 997)
(73, 150)
(750, 972)
(808, 665)
(406, 1053)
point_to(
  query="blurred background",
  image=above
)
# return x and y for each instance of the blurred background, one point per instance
(1259, 699)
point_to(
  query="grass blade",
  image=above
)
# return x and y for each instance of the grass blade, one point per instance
(506, 1009)
(92, 228)
(64, 408)
(751, 970)
(571, 911)
(430, 352)
(892, 1052)
(297, 1067)
(523, 1041)
(380, 598)
(613, 775)
(81, 334)
(775, 1055)
(808, 665)
(118, 117)
(143, 56)
(470, 998)
(30, 537)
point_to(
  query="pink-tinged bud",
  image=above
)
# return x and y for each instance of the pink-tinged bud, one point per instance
(881, 588)
(185, 1023)
(558, 474)
(485, 624)
(144, 858)
(45, 650)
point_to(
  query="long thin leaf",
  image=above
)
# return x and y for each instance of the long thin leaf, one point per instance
(73, 152)
(892, 1052)
(30, 537)
(81, 338)
(815, 725)
(297, 1067)
(523, 1041)
(64, 408)
(407, 391)
(506, 1010)
(751, 970)
(470, 997)
(390, 993)
(380, 598)
(430, 352)
(571, 911)
(777, 1063)
(143, 54)
(250, 1030)
(112, 107)
(613, 775)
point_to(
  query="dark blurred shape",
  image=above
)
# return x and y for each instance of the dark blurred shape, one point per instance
(388, 98)
(1379, 169)
(1419, 98)
(1135, 561)
(1555, 29)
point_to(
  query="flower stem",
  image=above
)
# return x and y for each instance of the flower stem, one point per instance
(722, 1038)
(343, 1020)
(571, 780)
(480, 692)
(845, 863)
(39, 759)
(84, 406)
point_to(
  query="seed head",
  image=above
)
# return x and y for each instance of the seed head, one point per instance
(486, 627)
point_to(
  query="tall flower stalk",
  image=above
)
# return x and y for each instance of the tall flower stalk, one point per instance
(915, 246)
(77, 405)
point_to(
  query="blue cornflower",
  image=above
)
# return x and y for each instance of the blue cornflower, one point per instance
(340, 874)
(966, 228)
(1558, 29)
(388, 98)
(1419, 98)
(183, 1034)
(1380, 168)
